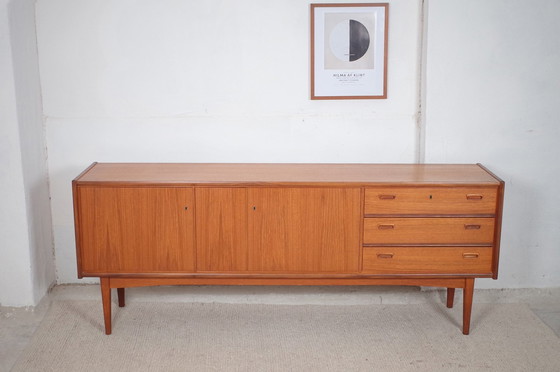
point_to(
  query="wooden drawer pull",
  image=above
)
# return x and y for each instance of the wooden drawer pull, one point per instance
(386, 227)
(384, 255)
(474, 197)
(387, 197)
(472, 227)
(470, 255)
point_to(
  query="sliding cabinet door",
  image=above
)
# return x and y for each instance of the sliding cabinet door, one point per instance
(307, 230)
(135, 230)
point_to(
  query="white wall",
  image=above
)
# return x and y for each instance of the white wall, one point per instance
(27, 262)
(15, 280)
(204, 81)
(493, 96)
(208, 81)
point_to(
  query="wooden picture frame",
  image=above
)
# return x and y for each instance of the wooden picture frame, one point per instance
(349, 51)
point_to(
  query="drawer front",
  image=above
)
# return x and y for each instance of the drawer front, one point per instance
(427, 260)
(430, 200)
(428, 230)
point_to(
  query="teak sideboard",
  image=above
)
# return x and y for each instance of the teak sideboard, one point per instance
(287, 224)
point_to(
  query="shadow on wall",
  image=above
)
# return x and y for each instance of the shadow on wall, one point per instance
(23, 41)
(519, 233)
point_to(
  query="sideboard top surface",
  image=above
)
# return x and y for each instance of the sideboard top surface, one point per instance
(284, 174)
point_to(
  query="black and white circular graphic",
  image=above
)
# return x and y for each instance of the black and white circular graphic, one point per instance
(349, 40)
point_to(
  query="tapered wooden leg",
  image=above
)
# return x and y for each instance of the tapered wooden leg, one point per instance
(120, 293)
(106, 299)
(450, 297)
(467, 304)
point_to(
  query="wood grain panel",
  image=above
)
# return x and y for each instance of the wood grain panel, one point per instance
(304, 229)
(286, 174)
(135, 230)
(427, 260)
(221, 229)
(431, 200)
(428, 230)
(255, 279)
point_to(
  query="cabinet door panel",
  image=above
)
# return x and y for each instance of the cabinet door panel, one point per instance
(304, 229)
(221, 229)
(136, 230)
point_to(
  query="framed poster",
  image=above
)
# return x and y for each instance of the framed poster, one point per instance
(349, 51)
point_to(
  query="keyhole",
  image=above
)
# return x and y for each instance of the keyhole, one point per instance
(254, 208)
(430, 196)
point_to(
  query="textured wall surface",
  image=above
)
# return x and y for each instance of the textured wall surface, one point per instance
(493, 94)
(219, 81)
(27, 266)
(206, 81)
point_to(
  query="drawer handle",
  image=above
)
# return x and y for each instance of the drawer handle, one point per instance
(384, 255)
(386, 227)
(387, 197)
(474, 197)
(470, 255)
(472, 227)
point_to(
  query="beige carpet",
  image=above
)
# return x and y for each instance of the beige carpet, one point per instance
(225, 337)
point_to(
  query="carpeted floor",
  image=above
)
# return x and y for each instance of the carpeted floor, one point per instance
(230, 337)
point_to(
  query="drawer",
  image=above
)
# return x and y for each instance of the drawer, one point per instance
(430, 200)
(422, 230)
(427, 260)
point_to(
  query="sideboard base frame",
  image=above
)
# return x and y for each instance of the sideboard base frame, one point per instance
(120, 283)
